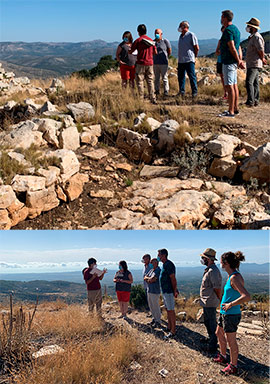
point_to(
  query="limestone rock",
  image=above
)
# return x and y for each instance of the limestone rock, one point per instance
(223, 216)
(163, 137)
(139, 119)
(40, 201)
(69, 164)
(136, 146)
(51, 175)
(227, 190)
(10, 105)
(69, 138)
(24, 135)
(48, 107)
(154, 124)
(21, 183)
(90, 134)
(124, 166)
(159, 171)
(19, 215)
(81, 111)
(5, 222)
(50, 129)
(103, 193)
(74, 186)
(223, 167)
(203, 137)
(258, 165)
(96, 154)
(223, 145)
(7, 196)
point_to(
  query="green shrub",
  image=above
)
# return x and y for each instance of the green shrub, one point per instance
(105, 63)
(138, 297)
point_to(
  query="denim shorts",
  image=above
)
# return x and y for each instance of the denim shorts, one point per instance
(229, 323)
(229, 74)
(168, 299)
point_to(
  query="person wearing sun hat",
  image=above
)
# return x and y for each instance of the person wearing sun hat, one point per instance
(254, 61)
(210, 296)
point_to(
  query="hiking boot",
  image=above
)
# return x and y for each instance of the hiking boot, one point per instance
(154, 102)
(166, 93)
(152, 322)
(220, 359)
(229, 370)
(236, 112)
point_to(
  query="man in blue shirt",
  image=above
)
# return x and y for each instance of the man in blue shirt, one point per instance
(153, 292)
(231, 59)
(169, 289)
(188, 49)
(147, 267)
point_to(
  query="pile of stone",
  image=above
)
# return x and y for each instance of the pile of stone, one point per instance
(43, 189)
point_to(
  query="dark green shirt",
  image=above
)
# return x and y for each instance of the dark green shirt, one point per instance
(231, 33)
(165, 280)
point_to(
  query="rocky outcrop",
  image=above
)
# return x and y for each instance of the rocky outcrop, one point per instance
(258, 164)
(81, 111)
(136, 146)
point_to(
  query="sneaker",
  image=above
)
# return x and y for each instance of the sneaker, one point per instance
(220, 359)
(169, 336)
(256, 104)
(166, 93)
(229, 370)
(154, 102)
(156, 92)
(236, 112)
(152, 322)
(226, 114)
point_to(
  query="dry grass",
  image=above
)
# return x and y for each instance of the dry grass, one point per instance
(99, 360)
(10, 167)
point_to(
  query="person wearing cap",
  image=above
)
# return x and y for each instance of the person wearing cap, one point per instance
(144, 64)
(169, 289)
(210, 296)
(254, 61)
(231, 58)
(161, 63)
(188, 48)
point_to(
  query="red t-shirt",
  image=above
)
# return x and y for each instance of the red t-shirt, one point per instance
(95, 284)
(145, 53)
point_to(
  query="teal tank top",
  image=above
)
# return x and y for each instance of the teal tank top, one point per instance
(230, 295)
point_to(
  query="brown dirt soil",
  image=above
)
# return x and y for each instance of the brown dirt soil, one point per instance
(183, 357)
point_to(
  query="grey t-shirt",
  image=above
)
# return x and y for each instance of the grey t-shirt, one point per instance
(186, 44)
(162, 52)
(211, 279)
(255, 44)
(154, 287)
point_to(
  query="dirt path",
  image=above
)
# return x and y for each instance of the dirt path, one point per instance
(182, 357)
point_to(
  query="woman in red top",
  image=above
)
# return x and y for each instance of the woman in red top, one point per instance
(127, 61)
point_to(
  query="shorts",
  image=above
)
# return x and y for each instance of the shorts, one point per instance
(229, 323)
(123, 296)
(219, 68)
(168, 299)
(127, 72)
(229, 73)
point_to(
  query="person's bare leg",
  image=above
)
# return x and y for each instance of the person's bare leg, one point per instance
(236, 100)
(231, 98)
(231, 338)
(221, 340)
(172, 321)
(169, 321)
(223, 85)
(125, 308)
(124, 83)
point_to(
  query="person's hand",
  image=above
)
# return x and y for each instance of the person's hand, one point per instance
(95, 275)
(176, 293)
(226, 307)
(241, 65)
(121, 62)
(105, 270)
(264, 61)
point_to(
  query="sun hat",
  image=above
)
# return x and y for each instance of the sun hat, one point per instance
(253, 22)
(209, 253)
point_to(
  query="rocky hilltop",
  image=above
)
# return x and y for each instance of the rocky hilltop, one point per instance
(98, 166)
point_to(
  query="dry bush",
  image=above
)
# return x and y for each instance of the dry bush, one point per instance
(10, 167)
(265, 93)
(97, 360)
(182, 305)
(15, 332)
(65, 323)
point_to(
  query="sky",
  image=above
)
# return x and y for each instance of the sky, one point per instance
(85, 20)
(65, 251)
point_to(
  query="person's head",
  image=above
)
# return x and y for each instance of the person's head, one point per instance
(158, 34)
(123, 265)
(127, 37)
(154, 262)
(226, 17)
(141, 29)
(253, 25)
(84, 270)
(231, 260)
(162, 255)
(92, 262)
(208, 257)
(183, 27)
(146, 259)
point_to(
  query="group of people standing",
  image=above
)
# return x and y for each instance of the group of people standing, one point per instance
(163, 280)
(147, 59)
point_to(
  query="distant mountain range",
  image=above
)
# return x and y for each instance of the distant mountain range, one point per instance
(69, 286)
(43, 60)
